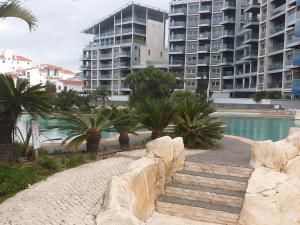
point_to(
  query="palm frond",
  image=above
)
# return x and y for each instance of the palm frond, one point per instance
(14, 8)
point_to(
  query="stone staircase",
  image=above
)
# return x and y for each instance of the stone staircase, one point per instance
(206, 192)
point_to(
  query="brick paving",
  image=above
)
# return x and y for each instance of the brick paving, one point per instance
(66, 198)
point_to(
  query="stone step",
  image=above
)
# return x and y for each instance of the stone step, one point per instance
(205, 194)
(225, 182)
(199, 211)
(219, 169)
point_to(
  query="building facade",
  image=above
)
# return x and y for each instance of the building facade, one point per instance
(129, 39)
(10, 62)
(238, 47)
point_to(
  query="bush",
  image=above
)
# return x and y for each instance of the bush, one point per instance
(258, 96)
(93, 156)
(75, 161)
(273, 95)
(48, 163)
(16, 179)
(195, 125)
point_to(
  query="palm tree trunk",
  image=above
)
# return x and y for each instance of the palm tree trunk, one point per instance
(92, 143)
(124, 141)
(156, 134)
(6, 129)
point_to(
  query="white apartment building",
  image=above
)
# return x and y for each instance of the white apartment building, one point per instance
(125, 41)
(10, 62)
(68, 84)
(43, 73)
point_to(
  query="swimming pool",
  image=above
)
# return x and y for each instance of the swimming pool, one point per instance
(258, 129)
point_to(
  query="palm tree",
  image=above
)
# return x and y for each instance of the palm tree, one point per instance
(80, 128)
(126, 122)
(100, 94)
(13, 97)
(194, 123)
(14, 8)
(156, 115)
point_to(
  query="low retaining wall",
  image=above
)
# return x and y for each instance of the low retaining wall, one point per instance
(273, 193)
(130, 198)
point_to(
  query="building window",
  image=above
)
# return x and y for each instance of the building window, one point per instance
(149, 52)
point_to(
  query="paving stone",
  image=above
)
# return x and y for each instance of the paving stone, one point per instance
(66, 198)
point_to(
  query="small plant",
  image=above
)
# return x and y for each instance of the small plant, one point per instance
(273, 95)
(14, 179)
(258, 96)
(48, 163)
(93, 156)
(74, 161)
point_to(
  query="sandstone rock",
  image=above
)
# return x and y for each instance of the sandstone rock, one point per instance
(288, 151)
(162, 148)
(272, 198)
(293, 167)
(136, 190)
(294, 137)
(178, 154)
(267, 154)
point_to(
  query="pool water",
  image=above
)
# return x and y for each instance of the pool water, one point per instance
(258, 129)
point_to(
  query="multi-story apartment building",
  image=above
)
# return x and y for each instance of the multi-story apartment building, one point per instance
(129, 39)
(238, 46)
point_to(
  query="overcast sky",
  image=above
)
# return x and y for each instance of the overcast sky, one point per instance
(58, 39)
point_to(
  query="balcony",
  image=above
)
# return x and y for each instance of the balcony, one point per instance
(275, 66)
(227, 60)
(193, 24)
(177, 37)
(178, 11)
(177, 62)
(105, 66)
(276, 47)
(191, 50)
(86, 67)
(204, 61)
(227, 86)
(177, 49)
(252, 6)
(203, 48)
(276, 84)
(105, 56)
(251, 37)
(278, 10)
(292, 41)
(124, 53)
(251, 20)
(191, 62)
(205, 9)
(205, 35)
(131, 19)
(177, 24)
(228, 19)
(227, 33)
(204, 22)
(277, 28)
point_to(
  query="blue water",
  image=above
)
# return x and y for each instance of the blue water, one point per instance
(258, 129)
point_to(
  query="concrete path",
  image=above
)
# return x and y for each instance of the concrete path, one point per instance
(229, 151)
(67, 198)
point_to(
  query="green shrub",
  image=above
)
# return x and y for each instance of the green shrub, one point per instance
(258, 96)
(75, 161)
(16, 179)
(93, 156)
(273, 95)
(195, 125)
(48, 163)
(17, 151)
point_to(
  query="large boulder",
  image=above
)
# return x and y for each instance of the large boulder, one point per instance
(135, 192)
(272, 198)
(267, 154)
(178, 154)
(162, 148)
(294, 137)
(293, 167)
(287, 150)
(118, 216)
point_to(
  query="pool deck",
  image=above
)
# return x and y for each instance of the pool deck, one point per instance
(228, 151)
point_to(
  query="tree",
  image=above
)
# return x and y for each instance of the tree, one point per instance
(14, 8)
(80, 128)
(195, 125)
(156, 115)
(100, 94)
(126, 122)
(66, 99)
(13, 97)
(201, 90)
(179, 97)
(150, 83)
(83, 102)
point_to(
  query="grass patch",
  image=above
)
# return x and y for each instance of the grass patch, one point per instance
(49, 163)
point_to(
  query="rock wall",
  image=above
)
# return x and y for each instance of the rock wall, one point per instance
(130, 198)
(273, 193)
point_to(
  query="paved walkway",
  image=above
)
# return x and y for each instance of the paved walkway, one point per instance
(67, 198)
(228, 151)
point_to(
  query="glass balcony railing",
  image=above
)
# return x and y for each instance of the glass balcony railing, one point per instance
(276, 47)
(177, 62)
(205, 8)
(275, 84)
(205, 35)
(278, 10)
(277, 28)
(275, 66)
(203, 47)
(177, 49)
(177, 24)
(178, 11)
(177, 36)
(204, 61)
